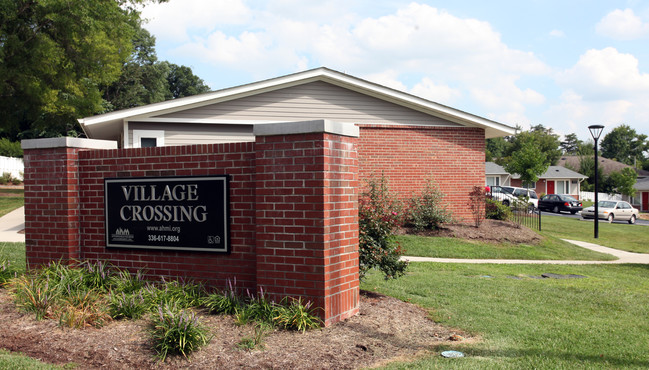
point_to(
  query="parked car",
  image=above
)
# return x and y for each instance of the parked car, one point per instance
(612, 210)
(557, 203)
(509, 195)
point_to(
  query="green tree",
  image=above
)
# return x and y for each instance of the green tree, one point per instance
(570, 144)
(622, 182)
(496, 149)
(182, 82)
(529, 163)
(587, 168)
(625, 145)
(55, 55)
(541, 137)
(145, 80)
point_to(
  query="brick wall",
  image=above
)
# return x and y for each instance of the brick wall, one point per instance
(408, 156)
(293, 208)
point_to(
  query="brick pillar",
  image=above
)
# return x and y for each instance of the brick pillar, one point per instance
(52, 197)
(307, 214)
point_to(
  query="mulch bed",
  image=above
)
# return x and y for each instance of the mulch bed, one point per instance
(385, 330)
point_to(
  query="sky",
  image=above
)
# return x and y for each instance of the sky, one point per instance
(564, 64)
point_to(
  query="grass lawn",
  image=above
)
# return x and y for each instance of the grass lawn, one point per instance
(551, 248)
(15, 253)
(601, 321)
(8, 204)
(632, 238)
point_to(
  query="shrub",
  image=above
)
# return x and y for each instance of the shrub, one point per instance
(5, 178)
(378, 218)
(177, 293)
(5, 271)
(495, 210)
(127, 306)
(125, 282)
(10, 148)
(257, 339)
(293, 314)
(80, 309)
(227, 302)
(426, 210)
(477, 204)
(34, 295)
(177, 331)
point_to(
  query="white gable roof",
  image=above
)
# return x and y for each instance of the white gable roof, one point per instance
(112, 122)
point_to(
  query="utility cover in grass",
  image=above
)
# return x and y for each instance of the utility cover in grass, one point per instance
(452, 354)
(559, 276)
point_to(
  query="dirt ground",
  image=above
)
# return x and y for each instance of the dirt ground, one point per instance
(385, 330)
(493, 231)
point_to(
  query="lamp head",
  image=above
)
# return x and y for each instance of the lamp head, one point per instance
(596, 131)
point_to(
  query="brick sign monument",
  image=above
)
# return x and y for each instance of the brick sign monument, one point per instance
(280, 213)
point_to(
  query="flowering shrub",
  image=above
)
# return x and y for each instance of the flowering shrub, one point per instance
(427, 211)
(379, 214)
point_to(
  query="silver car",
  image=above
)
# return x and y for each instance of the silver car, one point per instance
(612, 210)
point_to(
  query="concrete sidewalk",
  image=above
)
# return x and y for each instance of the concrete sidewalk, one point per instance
(623, 257)
(11, 224)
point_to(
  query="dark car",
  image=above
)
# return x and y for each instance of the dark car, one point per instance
(557, 203)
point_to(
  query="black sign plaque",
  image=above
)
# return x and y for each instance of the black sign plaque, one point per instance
(174, 213)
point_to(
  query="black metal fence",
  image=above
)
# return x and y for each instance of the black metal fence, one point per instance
(523, 212)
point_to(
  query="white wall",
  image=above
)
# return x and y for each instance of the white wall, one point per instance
(12, 165)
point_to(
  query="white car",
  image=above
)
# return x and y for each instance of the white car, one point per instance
(509, 195)
(612, 210)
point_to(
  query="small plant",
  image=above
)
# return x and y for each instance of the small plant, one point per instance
(5, 178)
(477, 204)
(296, 315)
(125, 282)
(227, 303)
(127, 306)
(81, 309)
(5, 272)
(495, 210)
(97, 275)
(256, 341)
(34, 295)
(178, 293)
(177, 331)
(378, 218)
(426, 210)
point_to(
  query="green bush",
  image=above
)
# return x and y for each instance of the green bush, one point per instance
(378, 218)
(427, 211)
(293, 314)
(10, 148)
(177, 331)
(495, 210)
(127, 306)
(6, 178)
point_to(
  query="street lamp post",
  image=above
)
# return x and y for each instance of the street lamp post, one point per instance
(596, 131)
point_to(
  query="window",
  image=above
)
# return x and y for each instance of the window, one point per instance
(563, 187)
(493, 180)
(529, 185)
(148, 138)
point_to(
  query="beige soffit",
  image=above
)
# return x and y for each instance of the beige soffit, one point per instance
(112, 122)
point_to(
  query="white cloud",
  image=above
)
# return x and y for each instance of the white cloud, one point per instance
(172, 20)
(416, 48)
(606, 75)
(623, 25)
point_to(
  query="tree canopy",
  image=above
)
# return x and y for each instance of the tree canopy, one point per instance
(61, 60)
(529, 163)
(625, 145)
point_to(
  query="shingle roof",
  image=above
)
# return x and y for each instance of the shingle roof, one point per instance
(607, 165)
(558, 172)
(492, 168)
(642, 184)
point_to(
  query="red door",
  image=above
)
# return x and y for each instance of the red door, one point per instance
(645, 200)
(550, 187)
